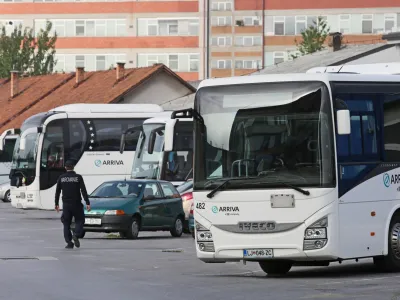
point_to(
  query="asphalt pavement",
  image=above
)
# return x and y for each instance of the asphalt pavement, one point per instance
(35, 265)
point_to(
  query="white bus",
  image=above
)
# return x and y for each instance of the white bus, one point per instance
(7, 143)
(87, 133)
(157, 160)
(297, 169)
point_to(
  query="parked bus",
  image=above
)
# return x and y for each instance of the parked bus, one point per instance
(297, 169)
(157, 160)
(89, 134)
(7, 143)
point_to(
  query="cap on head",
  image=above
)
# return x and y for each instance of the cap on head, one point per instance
(70, 164)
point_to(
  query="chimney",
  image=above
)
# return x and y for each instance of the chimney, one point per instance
(336, 40)
(80, 74)
(14, 83)
(120, 70)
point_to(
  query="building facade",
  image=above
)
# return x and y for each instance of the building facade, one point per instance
(196, 39)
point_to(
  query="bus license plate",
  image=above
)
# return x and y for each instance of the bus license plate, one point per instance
(258, 253)
(91, 221)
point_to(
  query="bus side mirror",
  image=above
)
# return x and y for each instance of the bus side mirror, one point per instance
(122, 143)
(152, 141)
(343, 122)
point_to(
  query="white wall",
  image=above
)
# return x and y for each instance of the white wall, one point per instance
(159, 89)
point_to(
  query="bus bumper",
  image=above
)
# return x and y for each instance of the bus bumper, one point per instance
(24, 199)
(288, 245)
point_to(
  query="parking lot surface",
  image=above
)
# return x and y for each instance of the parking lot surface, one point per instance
(35, 265)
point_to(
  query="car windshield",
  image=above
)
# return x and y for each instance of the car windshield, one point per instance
(267, 134)
(120, 189)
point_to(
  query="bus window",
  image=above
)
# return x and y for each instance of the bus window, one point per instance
(8, 150)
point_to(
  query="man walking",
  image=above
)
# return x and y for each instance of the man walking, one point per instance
(71, 185)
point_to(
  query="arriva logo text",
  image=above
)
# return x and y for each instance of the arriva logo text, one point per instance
(99, 163)
(228, 210)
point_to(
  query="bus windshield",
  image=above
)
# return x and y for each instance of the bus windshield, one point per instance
(148, 165)
(264, 135)
(25, 160)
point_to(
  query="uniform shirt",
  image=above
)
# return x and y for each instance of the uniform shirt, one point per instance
(71, 185)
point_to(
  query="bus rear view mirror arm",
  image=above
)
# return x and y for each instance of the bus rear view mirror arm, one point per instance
(343, 122)
(130, 130)
(22, 143)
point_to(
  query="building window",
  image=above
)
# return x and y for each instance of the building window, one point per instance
(344, 23)
(221, 41)
(221, 6)
(248, 64)
(279, 25)
(179, 62)
(193, 63)
(390, 22)
(224, 64)
(90, 28)
(173, 62)
(248, 41)
(249, 21)
(367, 23)
(168, 27)
(10, 25)
(301, 24)
(279, 57)
(80, 61)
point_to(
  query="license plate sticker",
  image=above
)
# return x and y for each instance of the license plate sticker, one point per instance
(258, 253)
(92, 221)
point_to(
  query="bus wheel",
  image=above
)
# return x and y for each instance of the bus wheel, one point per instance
(391, 262)
(275, 267)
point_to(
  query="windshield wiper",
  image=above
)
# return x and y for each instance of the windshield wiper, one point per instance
(212, 193)
(222, 185)
(296, 188)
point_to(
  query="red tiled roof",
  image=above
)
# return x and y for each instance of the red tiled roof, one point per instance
(42, 93)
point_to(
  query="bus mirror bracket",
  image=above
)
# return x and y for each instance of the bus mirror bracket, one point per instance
(169, 135)
(22, 143)
(343, 122)
(3, 137)
(130, 130)
(152, 139)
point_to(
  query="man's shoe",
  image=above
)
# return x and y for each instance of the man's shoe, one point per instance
(76, 241)
(70, 246)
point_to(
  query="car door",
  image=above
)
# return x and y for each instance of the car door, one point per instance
(172, 202)
(152, 209)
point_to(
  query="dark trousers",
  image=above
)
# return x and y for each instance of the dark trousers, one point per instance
(77, 212)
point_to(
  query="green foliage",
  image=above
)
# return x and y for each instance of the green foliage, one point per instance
(24, 52)
(313, 38)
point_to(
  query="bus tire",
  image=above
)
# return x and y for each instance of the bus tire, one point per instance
(391, 262)
(275, 267)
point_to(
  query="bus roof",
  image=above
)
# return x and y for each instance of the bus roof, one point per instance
(163, 118)
(323, 77)
(108, 108)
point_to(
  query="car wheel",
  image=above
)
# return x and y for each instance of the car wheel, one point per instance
(7, 197)
(133, 230)
(177, 230)
(275, 267)
(193, 235)
(391, 262)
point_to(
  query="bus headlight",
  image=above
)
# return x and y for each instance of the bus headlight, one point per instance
(316, 235)
(204, 238)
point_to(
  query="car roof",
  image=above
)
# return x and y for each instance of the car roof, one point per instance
(137, 180)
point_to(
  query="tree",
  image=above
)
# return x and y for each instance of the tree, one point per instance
(313, 38)
(24, 52)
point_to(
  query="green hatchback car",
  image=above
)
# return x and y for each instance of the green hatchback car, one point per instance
(131, 206)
